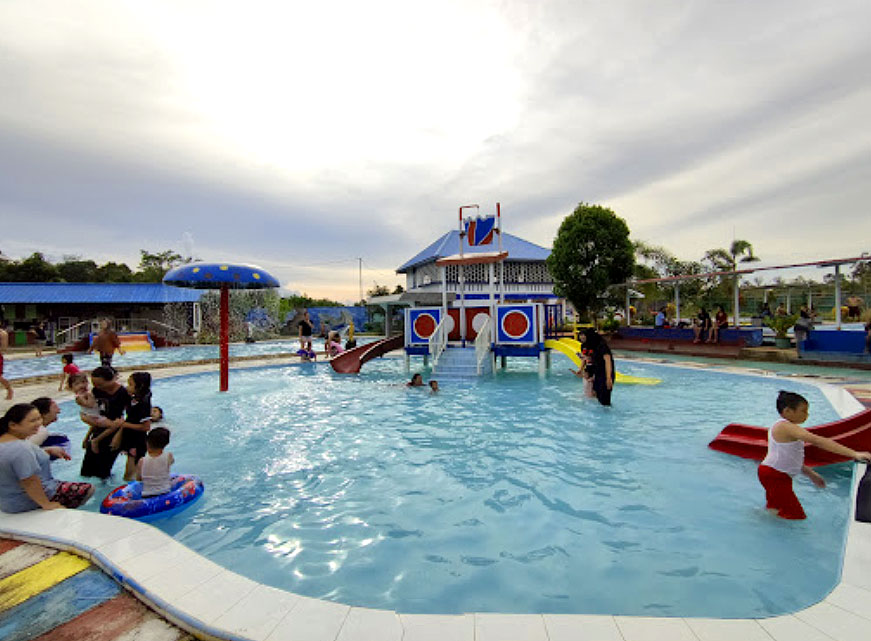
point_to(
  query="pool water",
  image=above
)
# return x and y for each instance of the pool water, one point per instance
(513, 494)
(51, 364)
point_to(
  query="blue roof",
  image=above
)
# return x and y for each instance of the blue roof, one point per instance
(116, 293)
(449, 245)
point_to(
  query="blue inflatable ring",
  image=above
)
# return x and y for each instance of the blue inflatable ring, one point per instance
(127, 500)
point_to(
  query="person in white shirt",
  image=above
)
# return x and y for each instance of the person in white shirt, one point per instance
(153, 469)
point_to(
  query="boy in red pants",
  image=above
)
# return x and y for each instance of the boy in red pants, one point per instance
(785, 456)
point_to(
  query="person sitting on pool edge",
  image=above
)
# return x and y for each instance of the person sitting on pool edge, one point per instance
(785, 457)
(416, 381)
(701, 325)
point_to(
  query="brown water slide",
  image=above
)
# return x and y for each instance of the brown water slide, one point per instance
(350, 361)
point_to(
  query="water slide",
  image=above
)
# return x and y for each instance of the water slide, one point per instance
(350, 361)
(133, 341)
(749, 441)
(572, 348)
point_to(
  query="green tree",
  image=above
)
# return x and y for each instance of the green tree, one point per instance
(378, 290)
(591, 252)
(114, 273)
(75, 270)
(726, 260)
(33, 269)
(153, 267)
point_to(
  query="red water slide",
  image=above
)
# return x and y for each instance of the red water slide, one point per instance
(350, 361)
(751, 442)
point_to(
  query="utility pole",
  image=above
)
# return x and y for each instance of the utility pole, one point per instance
(360, 272)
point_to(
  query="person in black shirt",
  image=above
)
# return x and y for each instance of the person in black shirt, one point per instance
(130, 438)
(701, 325)
(112, 399)
(305, 331)
(604, 372)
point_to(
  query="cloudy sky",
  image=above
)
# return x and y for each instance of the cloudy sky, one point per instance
(303, 136)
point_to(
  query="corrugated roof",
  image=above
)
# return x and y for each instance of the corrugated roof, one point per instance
(112, 293)
(449, 244)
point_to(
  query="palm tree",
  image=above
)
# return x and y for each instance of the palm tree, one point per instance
(740, 251)
(727, 260)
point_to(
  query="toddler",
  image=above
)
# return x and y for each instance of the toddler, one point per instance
(68, 370)
(153, 469)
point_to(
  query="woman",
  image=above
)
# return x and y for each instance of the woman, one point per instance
(26, 482)
(604, 372)
(49, 411)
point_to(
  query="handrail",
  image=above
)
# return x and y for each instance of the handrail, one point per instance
(74, 333)
(438, 341)
(60, 333)
(482, 344)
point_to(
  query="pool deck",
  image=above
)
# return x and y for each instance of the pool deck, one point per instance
(210, 602)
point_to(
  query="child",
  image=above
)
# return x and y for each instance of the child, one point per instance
(131, 437)
(433, 386)
(416, 381)
(156, 415)
(785, 456)
(587, 372)
(307, 355)
(69, 370)
(87, 403)
(153, 470)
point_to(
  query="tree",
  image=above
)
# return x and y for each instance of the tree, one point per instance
(75, 270)
(114, 273)
(723, 260)
(378, 290)
(33, 269)
(591, 252)
(153, 267)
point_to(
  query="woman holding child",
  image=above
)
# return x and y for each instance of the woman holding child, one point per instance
(602, 361)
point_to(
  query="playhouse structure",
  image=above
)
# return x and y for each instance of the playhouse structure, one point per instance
(494, 299)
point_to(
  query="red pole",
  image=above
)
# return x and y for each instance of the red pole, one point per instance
(225, 338)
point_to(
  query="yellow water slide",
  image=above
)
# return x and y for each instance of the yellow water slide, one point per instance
(572, 349)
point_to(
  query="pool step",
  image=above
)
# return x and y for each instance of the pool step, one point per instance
(458, 363)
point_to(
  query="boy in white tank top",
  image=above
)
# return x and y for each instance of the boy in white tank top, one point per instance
(153, 469)
(785, 458)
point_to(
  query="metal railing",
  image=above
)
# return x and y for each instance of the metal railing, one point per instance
(482, 344)
(81, 329)
(438, 341)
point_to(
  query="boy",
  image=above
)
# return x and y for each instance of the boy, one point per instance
(153, 470)
(785, 456)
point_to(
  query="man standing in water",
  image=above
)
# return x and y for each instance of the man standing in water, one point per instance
(4, 343)
(105, 343)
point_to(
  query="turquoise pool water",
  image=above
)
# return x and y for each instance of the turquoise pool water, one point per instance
(47, 365)
(510, 495)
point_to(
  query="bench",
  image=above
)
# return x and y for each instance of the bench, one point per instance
(739, 337)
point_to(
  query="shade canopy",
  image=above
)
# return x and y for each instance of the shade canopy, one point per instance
(218, 275)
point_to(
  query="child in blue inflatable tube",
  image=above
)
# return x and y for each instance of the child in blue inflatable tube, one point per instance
(153, 469)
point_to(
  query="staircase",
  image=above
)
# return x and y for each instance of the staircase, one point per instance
(458, 363)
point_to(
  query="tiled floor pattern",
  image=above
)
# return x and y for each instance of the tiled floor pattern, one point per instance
(58, 596)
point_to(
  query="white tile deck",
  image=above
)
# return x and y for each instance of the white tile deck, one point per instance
(200, 595)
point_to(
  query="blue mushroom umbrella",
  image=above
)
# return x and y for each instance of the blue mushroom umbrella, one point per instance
(223, 276)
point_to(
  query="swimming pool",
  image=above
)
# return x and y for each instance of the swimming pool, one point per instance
(509, 495)
(48, 365)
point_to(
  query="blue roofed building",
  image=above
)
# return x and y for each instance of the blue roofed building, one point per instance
(72, 308)
(522, 276)
(525, 271)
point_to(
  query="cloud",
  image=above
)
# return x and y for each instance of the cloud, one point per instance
(306, 136)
